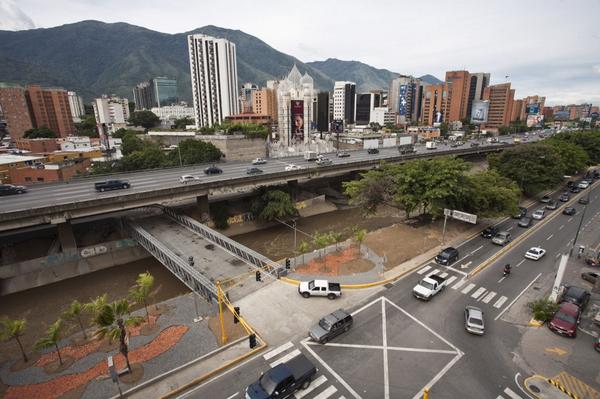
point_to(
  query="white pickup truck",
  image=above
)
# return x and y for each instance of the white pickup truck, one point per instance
(429, 286)
(319, 288)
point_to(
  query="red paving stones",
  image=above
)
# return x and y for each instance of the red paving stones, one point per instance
(57, 387)
(331, 264)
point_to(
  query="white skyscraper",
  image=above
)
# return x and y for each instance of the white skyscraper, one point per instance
(76, 105)
(213, 70)
(344, 102)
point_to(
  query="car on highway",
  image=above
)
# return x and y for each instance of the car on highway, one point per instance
(539, 214)
(373, 151)
(111, 185)
(592, 277)
(188, 179)
(565, 320)
(501, 238)
(489, 232)
(583, 184)
(545, 199)
(564, 197)
(9, 189)
(535, 253)
(583, 201)
(343, 154)
(292, 167)
(213, 170)
(253, 170)
(570, 211)
(552, 205)
(447, 256)
(259, 161)
(575, 189)
(474, 144)
(331, 326)
(577, 295)
(521, 213)
(474, 320)
(525, 221)
(324, 161)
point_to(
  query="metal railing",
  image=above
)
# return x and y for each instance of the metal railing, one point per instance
(191, 277)
(234, 248)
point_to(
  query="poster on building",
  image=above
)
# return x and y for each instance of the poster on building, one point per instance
(533, 109)
(402, 101)
(337, 126)
(535, 120)
(479, 111)
(297, 120)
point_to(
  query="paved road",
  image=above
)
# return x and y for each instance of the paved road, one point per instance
(83, 189)
(398, 344)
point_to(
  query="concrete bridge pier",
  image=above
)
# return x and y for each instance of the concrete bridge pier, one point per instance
(66, 236)
(294, 188)
(203, 207)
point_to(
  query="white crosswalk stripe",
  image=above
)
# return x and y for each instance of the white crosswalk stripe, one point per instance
(478, 293)
(512, 394)
(451, 280)
(489, 297)
(459, 284)
(326, 393)
(313, 385)
(423, 270)
(468, 288)
(500, 302)
(278, 350)
(285, 358)
(444, 275)
(435, 271)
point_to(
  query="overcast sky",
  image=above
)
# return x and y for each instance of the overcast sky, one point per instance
(547, 47)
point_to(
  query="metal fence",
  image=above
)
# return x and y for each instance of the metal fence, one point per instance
(191, 277)
(236, 249)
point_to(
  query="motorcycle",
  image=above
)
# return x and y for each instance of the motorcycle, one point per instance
(506, 271)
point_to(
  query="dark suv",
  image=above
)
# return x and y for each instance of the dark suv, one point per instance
(213, 170)
(9, 189)
(489, 232)
(331, 326)
(373, 151)
(447, 257)
(576, 295)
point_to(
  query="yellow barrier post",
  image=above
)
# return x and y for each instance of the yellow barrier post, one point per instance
(220, 298)
(426, 393)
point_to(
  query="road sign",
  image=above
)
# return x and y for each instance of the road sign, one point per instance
(447, 212)
(465, 217)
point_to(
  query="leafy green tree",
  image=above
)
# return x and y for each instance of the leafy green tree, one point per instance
(112, 321)
(40, 133)
(336, 237)
(140, 292)
(122, 132)
(321, 240)
(94, 306)
(219, 213)
(74, 313)
(503, 130)
(375, 126)
(195, 151)
(543, 309)
(52, 338)
(87, 126)
(574, 157)
(151, 157)
(374, 188)
(181, 123)
(303, 247)
(273, 205)
(13, 329)
(490, 195)
(145, 119)
(588, 140)
(444, 129)
(131, 143)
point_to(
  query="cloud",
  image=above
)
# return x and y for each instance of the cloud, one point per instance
(13, 18)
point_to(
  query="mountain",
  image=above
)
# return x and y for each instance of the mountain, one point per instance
(93, 57)
(432, 80)
(366, 77)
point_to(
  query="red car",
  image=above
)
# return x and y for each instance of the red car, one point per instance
(565, 321)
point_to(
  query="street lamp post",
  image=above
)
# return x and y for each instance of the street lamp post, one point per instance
(580, 222)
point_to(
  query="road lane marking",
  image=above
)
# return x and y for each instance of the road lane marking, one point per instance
(423, 270)
(501, 280)
(520, 263)
(478, 293)
(326, 393)
(233, 396)
(435, 271)
(314, 385)
(512, 394)
(549, 237)
(489, 297)
(459, 284)
(561, 226)
(278, 350)
(557, 255)
(500, 302)
(386, 371)
(476, 249)
(443, 275)
(569, 219)
(468, 288)
(456, 270)
(510, 228)
(285, 358)
(517, 297)
(465, 265)
(451, 280)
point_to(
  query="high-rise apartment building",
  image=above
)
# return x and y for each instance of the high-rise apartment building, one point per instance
(344, 97)
(517, 111)
(404, 98)
(433, 104)
(213, 70)
(264, 102)
(143, 96)
(111, 112)
(458, 84)
(479, 81)
(76, 105)
(50, 107)
(156, 92)
(246, 97)
(532, 105)
(501, 98)
(14, 109)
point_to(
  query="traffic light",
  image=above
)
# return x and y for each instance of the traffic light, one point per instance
(287, 263)
(252, 339)
(258, 278)
(236, 315)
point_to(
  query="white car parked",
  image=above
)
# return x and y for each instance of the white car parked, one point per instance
(583, 185)
(292, 167)
(535, 253)
(188, 179)
(259, 161)
(539, 214)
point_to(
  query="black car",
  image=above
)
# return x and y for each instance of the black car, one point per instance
(373, 151)
(590, 276)
(525, 221)
(253, 170)
(545, 199)
(564, 197)
(9, 189)
(447, 257)
(474, 144)
(213, 170)
(570, 184)
(521, 213)
(578, 296)
(575, 189)
(583, 201)
(489, 232)
(570, 211)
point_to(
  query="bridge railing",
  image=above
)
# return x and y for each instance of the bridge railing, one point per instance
(236, 249)
(191, 277)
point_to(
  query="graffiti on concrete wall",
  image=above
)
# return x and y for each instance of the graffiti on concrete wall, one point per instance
(87, 252)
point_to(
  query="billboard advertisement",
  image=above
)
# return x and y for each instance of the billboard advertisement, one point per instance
(533, 109)
(297, 120)
(402, 100)
(479, 111)
(337, 126)
(534, 120)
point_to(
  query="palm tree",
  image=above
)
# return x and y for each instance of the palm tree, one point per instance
(359, 235)
(13, 329)
(94, 306)
(74, 313)
(336, 237)
(140, 292)
(302, 248)
(52, 338)
(111, 322)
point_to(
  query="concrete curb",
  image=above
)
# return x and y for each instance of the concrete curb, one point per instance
(535, 323)
(557, 391)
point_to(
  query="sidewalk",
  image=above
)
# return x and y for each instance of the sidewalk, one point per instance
(540, 387)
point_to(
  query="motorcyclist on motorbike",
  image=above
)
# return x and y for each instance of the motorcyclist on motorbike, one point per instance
(507, 269)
